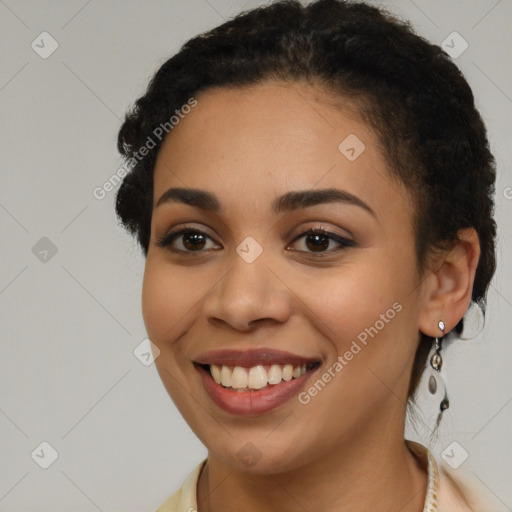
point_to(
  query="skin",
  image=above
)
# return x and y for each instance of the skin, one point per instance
(345, 449)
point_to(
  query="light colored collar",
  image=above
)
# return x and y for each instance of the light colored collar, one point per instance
(428, 462)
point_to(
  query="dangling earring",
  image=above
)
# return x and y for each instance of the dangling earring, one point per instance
(435, 381)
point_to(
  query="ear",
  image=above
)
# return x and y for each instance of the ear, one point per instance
(447, 290)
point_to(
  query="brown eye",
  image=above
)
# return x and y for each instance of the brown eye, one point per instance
(319, 240)
(188, 240)
(193, 241)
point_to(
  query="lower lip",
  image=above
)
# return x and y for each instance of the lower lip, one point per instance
(255, 401)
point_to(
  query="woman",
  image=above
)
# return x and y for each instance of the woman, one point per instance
(312, 189)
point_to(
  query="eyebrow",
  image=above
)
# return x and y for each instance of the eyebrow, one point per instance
(293, 200)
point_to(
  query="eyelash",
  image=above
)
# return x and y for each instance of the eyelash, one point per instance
(169, 238)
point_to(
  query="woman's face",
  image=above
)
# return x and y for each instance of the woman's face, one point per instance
(330, 319)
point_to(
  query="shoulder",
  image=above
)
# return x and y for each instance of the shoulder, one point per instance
(185, 498)
(449, 490)
(460, 492)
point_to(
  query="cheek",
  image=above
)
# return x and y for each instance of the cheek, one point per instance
(164, 301)
(369, 304)
(351, 299)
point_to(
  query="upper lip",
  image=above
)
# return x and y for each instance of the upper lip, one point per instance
(253, 357)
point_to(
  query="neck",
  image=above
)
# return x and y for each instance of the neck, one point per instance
(374, 472)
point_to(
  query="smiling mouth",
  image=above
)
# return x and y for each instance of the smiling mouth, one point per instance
(258, 377)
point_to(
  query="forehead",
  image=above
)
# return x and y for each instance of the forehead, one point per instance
(271, 116)
(270, 138)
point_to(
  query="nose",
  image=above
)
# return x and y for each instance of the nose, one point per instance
(249, 295)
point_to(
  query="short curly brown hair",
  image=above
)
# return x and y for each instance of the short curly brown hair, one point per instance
(407, 89)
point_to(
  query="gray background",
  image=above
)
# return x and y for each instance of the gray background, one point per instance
(70, 321)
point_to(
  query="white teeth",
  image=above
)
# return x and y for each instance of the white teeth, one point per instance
(275, 374)
(287, 372)
(239, 378)
(215, 371)
(225, 376)
(257, 377)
